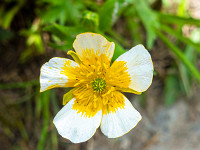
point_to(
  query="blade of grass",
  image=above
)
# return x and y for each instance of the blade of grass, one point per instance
(185, 83)
(46, 116)
(19, 84)
(22, 130)
(180, 37)
(191, 54)
(54, 139)
(177, 20)
(179, 54)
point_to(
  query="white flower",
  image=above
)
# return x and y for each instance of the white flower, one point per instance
(96, 99)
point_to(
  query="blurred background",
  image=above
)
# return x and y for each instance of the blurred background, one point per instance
(33, 31)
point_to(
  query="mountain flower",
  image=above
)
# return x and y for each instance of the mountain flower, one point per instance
(96, 99)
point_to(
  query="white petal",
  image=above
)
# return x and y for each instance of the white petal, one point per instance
(117, 124)
(74, 126)
(91, 43)
(50, 75)
(140, 67)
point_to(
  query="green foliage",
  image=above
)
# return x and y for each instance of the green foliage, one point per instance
(62, 11)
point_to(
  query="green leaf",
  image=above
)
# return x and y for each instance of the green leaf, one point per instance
(106, 15)
(73, 11)
(57, 30)
(94, 17)
(63, 36)
(90, 20)
(54, 13)
(149, 19)
(64, 33)
(36, 40)
(119, 50)
(63, 11)
(110, 11)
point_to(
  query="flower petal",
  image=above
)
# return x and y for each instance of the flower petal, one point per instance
(139, 67)
(87, 44)
(75, 126)
(51, 75)
(122, 121)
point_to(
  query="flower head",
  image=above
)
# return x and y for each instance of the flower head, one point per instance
(96, 98)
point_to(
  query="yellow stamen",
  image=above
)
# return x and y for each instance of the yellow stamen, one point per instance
(95, 84)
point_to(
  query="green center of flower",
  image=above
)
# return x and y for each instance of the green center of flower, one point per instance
(99, 85)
